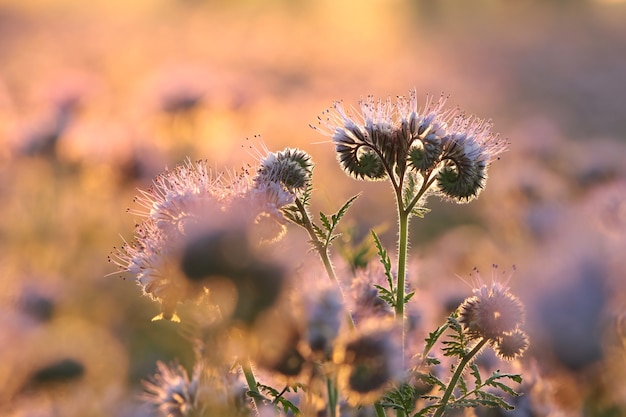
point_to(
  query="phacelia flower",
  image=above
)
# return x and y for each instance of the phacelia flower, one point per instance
(368, 362)
(171, 391)
(512, 345)
(495, 314)
(190, 202)
(226, 255)
(492, 312)
(469, 148)
(324, 317)
(388, 139)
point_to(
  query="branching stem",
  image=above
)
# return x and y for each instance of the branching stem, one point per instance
(441, 408)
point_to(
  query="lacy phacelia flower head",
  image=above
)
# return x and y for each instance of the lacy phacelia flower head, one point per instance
(181, 205)
(291, 168)
(368, 362)
(393, 139)
(495, 314)
(171, 391)
(469, 148)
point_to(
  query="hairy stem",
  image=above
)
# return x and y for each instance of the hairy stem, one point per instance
(441, 408)
(322, 251)
(246, 368)
(403, 243)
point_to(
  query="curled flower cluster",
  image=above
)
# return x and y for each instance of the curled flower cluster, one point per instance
(495, 314)
(392, 140)
(184, 215)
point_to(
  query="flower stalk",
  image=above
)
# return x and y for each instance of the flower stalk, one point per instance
(441, 408)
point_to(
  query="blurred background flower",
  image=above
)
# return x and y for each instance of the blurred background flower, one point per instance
(98, 97)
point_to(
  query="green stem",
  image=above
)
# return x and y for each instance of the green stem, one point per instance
(322, 251)
(457, 374)
(332, 397)
(252, 385)
(403, 243)
(380, 411)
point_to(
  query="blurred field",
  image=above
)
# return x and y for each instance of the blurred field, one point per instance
(98, 97)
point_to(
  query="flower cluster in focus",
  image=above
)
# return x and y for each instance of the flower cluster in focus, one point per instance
(445, 151)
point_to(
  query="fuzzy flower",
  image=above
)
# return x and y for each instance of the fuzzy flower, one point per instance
(363, 297)
(324, 317)
(291, 168)
(492, 312)
(469, 148)
(154, 259)
(171, 391)
(512, 345)
(495, 314)
(224, 258)
(189, 203)
(388, 139)
(368, 362)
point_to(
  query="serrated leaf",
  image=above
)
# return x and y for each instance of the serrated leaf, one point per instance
(342, 211)
(326, 222)
(430, 361)
(434, 336)
(504, 388)
(425, 411)
(403, 397)
(499, 375)
(491, 400)
(319, 232)
(431, 379)
(462, 386)
(475, 372)
(385, 260)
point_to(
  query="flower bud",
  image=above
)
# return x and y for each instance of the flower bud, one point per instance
(512, 345)
(292, 168)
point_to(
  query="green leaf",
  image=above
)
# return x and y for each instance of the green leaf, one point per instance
(319, 232)
(462, 386)
(342, 211)
(475, 372)
(326, 222)
(431, 379)
(402, 398)
(385, 260)
(330, 223)
(386, 295)
(434, 336)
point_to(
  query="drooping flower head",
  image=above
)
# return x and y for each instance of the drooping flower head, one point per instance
(469, 148)
(409, 144)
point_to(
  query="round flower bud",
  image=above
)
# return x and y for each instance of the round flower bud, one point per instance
(512, 345)
(292, 168)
